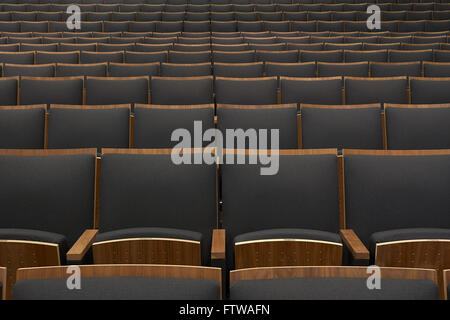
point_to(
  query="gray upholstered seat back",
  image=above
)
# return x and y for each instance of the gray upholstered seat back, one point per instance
(394, 192)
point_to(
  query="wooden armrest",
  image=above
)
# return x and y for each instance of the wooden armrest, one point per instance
(218, 244)
(355, 245)
(84, 242)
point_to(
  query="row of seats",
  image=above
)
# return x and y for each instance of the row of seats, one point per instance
(400, 127)
(241, 91)
(192, 283)
(288, 58)
(230, 70)
(387, 197)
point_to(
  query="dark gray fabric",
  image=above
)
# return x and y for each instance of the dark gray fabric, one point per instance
(246, 92)
(342, 46)
(303, 194)
(152, 191)
(10, 26)
(149, 233)
(133, 70)
(416, 128)
(233, 57)
(306, 70)
(17, 57)
(114, 26)
(412, 69)
(405, 55)
(8, 92)
(362, 91)
(290, 56)
(41, 193)
(60, 57)
(268, 47)
(396, 192)
(39, 47)
(189, 57)
(305, 46)
(77, 47)
(191, 47)
(118, 288)
(165, 26)
(288, 234)
(38, 91)
(88, 128)
(145, 57)
(185, 70)
(383, 46)
(407, 234)
(97, 57)
(143, 47)
(28, 70)
(247, 26)
(22, 128)
(357, 69)
(153, 127)
(223, 26)
(71, 70)
(322, 56)
(108, 47)
(425, 91)
(9, 48)
(312, 91)
(182, 91)
(431, 69)
(282, 119)
(333, 289)
(442, 55)
(309, 26)
(136, 26)
(116, 91)
(342, 128)
(239, 70)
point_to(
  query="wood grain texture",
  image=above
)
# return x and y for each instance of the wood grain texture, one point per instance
(341, 186)
(3, 281)
(34, 106)
(15, 254)
(311, 79)
(287, 252)
(184, 78)
(282, 152)
(148, 251)
(247, 79)
(446, 283)
(417, 106)
(136, 270)
(299, 131)
(347, 106)
(163, 151)
(227, 64)
(169, 107)
(82, 245)
(117, 78)
(135, 64)
(330, 272)
(218, 244)
(355, 245)
(257, 107)
(90, 107)
(377, 78)
(395, 152)
(47, 152)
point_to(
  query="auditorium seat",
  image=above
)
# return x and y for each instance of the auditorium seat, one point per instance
(133, 69)
(154, 124)
(37, 233)
(342, 127)
(232, 56)
(355, 69)
(401, 212)
(447, 283)
(57, 57)
(181, 90)
(88, 126)
(41, 70)
(393, 69)
(22, 127)
(246, 91)
(417, 127)
(261, 117)
(51, 90)
(98, 57)
(185, 70)
(301, 69)
(145, 57)
(430, 90)
(17, 57)
(436, 69)
(239, 70)
(332, 283)
(84, 70)
(375, 90)
(258, 209)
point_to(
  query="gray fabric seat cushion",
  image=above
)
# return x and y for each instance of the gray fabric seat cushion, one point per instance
(332, 289)
(288, 233)
(149, 233)
(118, 288)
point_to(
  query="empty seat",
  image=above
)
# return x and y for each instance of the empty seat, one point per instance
(133, 69)
(74, 70)
(355, 69)
(88, 126)
(372, 55)
(189, 57)
(321, 56)
(233, 57)
(289, 56)
(258, 208)
(22, 127)
(430, 90)
(57, 57)
(248, 91)
(155, 124)
(392, 69)
(116, 90)
(185, 70)
(77, 47)
(403, 200)
(354, 127)
(261, 117)
(331, 283)
(239, 70)
(51, 90)
(8, 91)
(145, 57)
(376, 90)
(40, 178)
(301, 69)
(311, 90)
(410, 55)
(17, 57)
(53, 47)
(42, 70)
(121, 283)
(436, 69)
(98, 57)
(181, 91)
